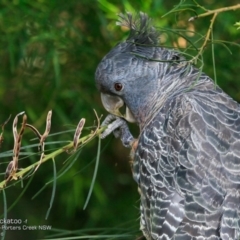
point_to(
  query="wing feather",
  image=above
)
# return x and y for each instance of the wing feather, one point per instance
(190, 181)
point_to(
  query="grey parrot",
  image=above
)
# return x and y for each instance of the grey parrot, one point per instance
(186, 159)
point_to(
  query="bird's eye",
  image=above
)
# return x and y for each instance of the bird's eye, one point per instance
(118, 86)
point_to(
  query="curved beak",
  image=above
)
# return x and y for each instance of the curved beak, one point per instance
(113, 103)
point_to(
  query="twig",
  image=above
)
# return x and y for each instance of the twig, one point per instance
(83, 141)
(11, 171)
(43, 137)
(216, 11)
(208, 35)
(202, 7)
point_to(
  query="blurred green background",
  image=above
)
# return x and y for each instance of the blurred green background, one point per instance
(49, 50)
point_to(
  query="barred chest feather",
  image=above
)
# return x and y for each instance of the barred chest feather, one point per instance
(187, 168)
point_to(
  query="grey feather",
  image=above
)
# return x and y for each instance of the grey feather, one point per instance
(187, 161)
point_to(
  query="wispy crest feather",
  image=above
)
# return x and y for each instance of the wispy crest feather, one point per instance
(141, 29)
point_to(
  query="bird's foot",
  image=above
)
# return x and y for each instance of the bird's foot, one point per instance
(118, 126)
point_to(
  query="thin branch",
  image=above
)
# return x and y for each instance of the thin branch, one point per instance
(43, 137)
(83, 141)
(202, 7)
(216, 11)
(207, 38)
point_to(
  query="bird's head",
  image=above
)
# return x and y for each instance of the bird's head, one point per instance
(128, 77)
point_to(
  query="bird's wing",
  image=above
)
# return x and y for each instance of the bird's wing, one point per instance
(188, 168)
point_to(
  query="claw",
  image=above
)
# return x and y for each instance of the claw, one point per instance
(119, 128)
(111, 127)
(108, 119)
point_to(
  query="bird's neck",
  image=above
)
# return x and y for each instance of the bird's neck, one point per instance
(183, 80)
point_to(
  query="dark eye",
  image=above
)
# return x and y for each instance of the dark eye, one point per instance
(118, 86)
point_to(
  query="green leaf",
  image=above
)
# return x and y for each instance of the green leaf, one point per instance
(237, 24)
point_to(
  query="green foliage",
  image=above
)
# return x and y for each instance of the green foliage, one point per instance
(237, 24)
(49, 51)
